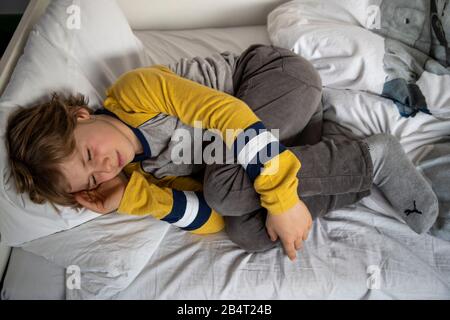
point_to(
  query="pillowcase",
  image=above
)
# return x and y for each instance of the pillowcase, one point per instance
(76, 46)
(331, 35)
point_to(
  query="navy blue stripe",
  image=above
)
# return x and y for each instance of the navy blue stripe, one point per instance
(146, 147)
(178, 208)
(266, 154)
(254, 170)
(255, 129)
(204, 212)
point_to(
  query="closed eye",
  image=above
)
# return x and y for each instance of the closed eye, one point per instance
(94, 182)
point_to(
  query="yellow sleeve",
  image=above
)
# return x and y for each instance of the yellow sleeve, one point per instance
(187, 210)
(141, 94)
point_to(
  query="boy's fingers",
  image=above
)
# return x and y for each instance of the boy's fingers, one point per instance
(306, 232)
(298, 244)
(289, 248)
(305, 235)
(273, 236)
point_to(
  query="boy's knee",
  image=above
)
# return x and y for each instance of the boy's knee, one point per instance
(301, 69)
(293, 64)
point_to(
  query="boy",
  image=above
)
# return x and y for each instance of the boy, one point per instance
(273, 88)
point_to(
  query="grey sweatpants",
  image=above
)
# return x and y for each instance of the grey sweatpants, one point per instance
(284, 91)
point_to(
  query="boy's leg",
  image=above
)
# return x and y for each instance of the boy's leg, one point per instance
(284, 91)
(325, 184)
(334, 174)
(331, 170)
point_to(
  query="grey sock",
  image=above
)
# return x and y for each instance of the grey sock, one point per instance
(402, 184)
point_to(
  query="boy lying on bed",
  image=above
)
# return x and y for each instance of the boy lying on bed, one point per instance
(63, 153)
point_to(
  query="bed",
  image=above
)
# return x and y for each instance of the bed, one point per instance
(358, 252)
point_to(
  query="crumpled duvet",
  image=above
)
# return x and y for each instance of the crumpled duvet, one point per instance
(394, 48)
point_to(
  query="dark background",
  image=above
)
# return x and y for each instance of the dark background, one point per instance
(10, 14)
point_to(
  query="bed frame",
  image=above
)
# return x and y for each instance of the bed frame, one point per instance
(145, 15)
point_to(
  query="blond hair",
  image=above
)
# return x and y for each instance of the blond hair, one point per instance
(38, 140)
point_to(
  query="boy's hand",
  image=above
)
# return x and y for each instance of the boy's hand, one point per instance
(106, 197)
(292, 226)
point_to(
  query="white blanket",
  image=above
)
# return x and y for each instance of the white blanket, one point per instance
(380, 46)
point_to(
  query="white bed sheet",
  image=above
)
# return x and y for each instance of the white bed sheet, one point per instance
(359, 252)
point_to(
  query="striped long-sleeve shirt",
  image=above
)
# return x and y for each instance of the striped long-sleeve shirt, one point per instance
(142, 94)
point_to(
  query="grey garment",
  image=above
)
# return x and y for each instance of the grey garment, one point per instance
(163, 132)
(215, 71)
(394, 173)
(416, 36)
(284, 91)
(218, 72)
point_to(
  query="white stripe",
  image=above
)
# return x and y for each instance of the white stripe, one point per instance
(255, 145)
(192, 206)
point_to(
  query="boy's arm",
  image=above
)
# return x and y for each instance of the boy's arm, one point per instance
(141, 94)
(139, 196)
(185, 209)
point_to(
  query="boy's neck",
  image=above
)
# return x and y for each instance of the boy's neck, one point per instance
(137, 146)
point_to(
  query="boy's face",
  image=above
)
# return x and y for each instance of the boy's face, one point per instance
(104, 146)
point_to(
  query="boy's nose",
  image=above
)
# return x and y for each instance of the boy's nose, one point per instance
(103, 164)
(106, 165)
(104, 170)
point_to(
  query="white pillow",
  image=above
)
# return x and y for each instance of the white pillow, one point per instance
(109, 252)
(331, 35)
(58, 57)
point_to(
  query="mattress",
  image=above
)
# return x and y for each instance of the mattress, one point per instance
(358, 252)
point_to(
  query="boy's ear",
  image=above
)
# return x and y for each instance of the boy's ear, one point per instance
(83, 114)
